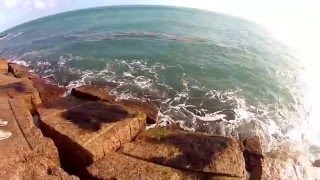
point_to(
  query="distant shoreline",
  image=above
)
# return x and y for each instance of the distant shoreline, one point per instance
(2, 36)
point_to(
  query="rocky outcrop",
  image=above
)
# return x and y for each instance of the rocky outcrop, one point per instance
(20, 71)
(102, 93)
(3, 66)
(48, 92)
(253, 156)
(118, 166)
(144, 107)
(32, 166)
(92, 134)
(253, 145)
(93, 93)
(189, 151)
(23, 88)
(27, 154)
(34, 137)
(86, 130)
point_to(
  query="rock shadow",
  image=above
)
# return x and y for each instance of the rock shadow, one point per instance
(91, 116)
(17, 87)
(196, 151)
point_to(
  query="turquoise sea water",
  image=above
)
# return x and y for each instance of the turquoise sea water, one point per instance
(210, 72)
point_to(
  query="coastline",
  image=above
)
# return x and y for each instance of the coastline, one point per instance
(91, 134)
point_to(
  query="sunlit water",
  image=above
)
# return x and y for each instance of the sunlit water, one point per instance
(207, 71)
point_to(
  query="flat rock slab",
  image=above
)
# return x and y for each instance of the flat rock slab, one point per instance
(93, 93)
(16, 143)
(118, 166)
(189, 151)
(33, 136)
(103, 93)
(19, 71)
(88, 130)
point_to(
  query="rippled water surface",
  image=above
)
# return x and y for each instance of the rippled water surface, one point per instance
(209, 72)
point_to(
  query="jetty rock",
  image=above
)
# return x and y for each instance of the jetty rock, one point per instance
(92, 134)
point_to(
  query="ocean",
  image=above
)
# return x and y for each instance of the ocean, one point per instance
(207, 71)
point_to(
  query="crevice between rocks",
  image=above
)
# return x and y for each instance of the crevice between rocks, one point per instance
(74, 159)
(253, 164)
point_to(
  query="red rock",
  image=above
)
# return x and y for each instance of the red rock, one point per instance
(3, 66)
(117, 166)
(48, 92)
(253, 145)
(100, 93)
(22, 87)
(85, 132)
(92, 93)
(253, 156)
(148, 108)
(27, 153)
(32, 167)
(189, 151)
(34, 137)
(316, 163)
(19, 71)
